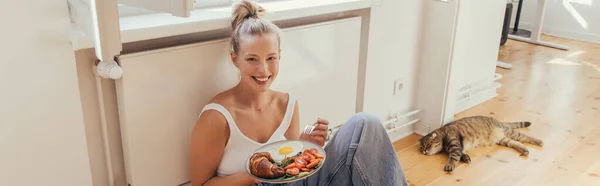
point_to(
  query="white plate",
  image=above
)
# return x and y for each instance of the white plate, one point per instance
(276, 146)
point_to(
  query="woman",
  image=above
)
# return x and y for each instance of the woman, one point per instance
(249, 115)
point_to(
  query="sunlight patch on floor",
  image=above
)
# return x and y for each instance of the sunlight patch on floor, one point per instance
(573, 54)
(562, 61)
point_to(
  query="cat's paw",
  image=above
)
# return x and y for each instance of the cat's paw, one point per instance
(449, 167)
(539, 143)
(525, 153)
(465, 158)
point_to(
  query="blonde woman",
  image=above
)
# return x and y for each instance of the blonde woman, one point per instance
(249, 115)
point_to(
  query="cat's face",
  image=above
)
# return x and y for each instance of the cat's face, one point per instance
(431, 144)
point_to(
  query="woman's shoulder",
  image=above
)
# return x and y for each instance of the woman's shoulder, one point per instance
(283, 98)
(220, 101)
(225, 98)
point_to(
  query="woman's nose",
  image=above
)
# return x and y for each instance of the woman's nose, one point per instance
(262, 67)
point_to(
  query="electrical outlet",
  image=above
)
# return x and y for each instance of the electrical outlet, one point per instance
(398, 85)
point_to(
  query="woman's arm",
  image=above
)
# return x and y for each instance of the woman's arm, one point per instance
(241, 178)
(318, 135)
(208, 141)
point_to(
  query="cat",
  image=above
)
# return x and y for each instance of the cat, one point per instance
(467, 133)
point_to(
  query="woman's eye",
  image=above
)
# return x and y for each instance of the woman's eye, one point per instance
(251, 59)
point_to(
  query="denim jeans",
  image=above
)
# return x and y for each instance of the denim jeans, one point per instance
(360, 153)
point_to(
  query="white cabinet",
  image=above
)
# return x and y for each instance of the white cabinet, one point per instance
(474, 55)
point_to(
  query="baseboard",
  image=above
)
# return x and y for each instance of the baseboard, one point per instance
(422, 128)
(585, 37)
(476, 97)
(565, 33)
(402, 132)
(481, 97)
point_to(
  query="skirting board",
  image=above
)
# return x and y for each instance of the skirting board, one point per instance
(422, 128)
(565, 33)
(419, 128)
(401, 132)
(479, 98)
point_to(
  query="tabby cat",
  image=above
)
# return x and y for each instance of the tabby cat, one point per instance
(467, 133)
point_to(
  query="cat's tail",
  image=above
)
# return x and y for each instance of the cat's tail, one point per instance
(514, 125)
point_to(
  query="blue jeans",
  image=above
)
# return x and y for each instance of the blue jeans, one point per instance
(360, 153)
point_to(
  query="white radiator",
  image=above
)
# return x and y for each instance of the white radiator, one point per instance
(162, 92)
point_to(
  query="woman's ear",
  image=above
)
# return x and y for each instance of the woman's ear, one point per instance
(233, 58)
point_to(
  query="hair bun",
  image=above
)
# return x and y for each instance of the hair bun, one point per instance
(245, 9)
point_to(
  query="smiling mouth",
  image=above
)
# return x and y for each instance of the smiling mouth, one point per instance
(261, 79)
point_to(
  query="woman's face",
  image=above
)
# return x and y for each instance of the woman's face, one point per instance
(258, 61)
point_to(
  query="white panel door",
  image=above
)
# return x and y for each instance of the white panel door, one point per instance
(163, 91)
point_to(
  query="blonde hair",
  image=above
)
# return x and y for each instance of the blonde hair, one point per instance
(246, 20)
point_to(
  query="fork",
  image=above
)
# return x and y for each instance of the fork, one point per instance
(309, 129)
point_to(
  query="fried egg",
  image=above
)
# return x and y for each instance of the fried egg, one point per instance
(286, 150)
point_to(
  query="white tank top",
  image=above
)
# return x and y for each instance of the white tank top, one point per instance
(239, 147)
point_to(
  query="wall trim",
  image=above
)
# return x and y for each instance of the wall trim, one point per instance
(564, 33)
(476, 100)
(468, 100)
(400, 133)
(422, 128)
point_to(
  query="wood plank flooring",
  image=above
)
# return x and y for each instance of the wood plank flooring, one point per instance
(559, 92)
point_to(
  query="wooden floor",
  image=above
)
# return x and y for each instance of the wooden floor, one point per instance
(559, 92)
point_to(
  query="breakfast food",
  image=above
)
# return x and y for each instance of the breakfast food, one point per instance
(303, 162)
(263, 165)
(285, 150)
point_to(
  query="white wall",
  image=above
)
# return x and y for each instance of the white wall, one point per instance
(394, 32)
(41, 126)
(576, 19)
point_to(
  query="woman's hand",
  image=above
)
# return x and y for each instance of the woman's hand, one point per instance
(249, 177)
(319, 134)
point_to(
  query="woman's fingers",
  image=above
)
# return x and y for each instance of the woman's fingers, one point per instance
(318, 140)
(319, 133)
(319, 136)
(321, 127)
(322, 121)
